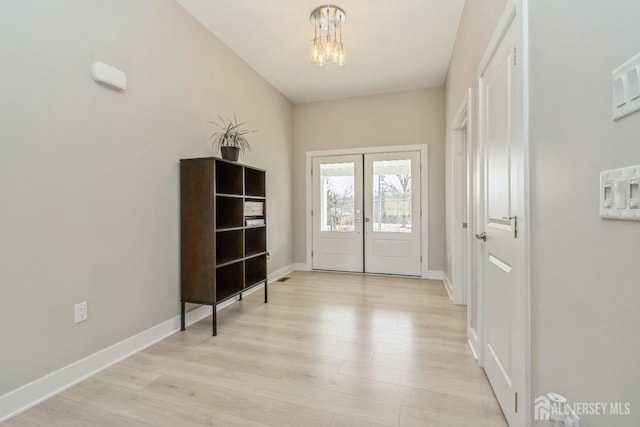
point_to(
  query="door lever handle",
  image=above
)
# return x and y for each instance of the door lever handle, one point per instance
(482, 236)
(515, 224)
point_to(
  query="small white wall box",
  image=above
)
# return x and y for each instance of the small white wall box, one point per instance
(620, 193)
(626, 88)
(109, 75)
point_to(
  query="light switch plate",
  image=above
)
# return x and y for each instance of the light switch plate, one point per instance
(625, 88)
(620, 193)
(633, 81)
(619, 91)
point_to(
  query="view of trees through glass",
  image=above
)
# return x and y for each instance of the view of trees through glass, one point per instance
(392, 196)
(337, 202)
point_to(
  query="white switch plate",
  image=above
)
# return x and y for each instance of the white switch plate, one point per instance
(625, 88)
(620, 193)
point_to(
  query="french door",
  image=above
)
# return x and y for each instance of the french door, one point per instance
(366, 213)
(337, 213)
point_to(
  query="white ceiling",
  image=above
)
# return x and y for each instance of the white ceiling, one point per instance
(390, 45)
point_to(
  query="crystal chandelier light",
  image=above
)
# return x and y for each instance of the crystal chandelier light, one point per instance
(327, 35)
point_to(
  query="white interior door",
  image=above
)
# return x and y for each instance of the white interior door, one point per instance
(337, 213)
(502, 252)
(392, 213)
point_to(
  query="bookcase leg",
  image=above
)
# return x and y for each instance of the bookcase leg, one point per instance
(182, 304)
(214, 316)
(266, 297)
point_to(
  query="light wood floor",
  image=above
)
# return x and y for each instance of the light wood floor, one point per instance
(328, 350)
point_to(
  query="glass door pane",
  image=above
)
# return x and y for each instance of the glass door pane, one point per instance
(392, 196)
(337, 197)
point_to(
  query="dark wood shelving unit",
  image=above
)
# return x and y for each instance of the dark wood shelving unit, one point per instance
(223, 232)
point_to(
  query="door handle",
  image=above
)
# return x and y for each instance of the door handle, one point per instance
(515, 224)
(482, 236)
(367, 220)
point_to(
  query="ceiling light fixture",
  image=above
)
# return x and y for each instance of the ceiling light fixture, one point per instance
(327, 35)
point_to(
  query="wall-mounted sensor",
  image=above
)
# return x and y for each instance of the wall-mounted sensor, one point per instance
(109, 75)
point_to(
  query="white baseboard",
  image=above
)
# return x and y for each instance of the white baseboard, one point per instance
(43, 388)
(448, 286)
(433, 275)
(31, 394)
(301, 266)
(281, 272)
(473, 350)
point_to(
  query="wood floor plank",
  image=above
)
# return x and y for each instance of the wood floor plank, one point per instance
(252, 406)
(60, 411)
(330, 349)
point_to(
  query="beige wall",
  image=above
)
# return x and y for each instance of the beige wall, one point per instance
(412, 117)
(585, 282)
(89, 175)
(584, 286)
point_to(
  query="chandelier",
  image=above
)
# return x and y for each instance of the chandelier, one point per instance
(327, 35)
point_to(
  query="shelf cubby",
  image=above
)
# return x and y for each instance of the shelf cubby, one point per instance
(255, 270)
(255, 241)
(229, 212)
(228, 246)
(254, 182)
(229, 281)
(229, 178)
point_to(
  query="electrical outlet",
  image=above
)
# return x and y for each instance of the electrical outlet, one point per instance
(80, 312)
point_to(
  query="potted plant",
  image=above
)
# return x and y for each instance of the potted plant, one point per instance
(230, 138)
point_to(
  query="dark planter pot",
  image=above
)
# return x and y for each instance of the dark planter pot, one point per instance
(230, 153)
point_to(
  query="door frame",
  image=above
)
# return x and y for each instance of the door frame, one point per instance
(462, 172)
(465, 278)
(424, 200)
(516, 12)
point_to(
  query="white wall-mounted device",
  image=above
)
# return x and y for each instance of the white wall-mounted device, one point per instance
(626, 88)
(620, 193)
(109, 75)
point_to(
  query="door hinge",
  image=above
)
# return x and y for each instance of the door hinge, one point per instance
(311, 171)
(311, 254)
(515, 55)
(420, 258)
(516, 402)
(465, 225)
(311, 212)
